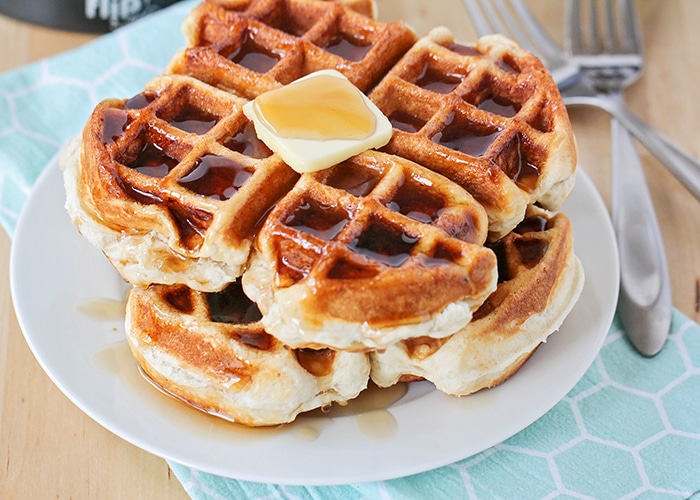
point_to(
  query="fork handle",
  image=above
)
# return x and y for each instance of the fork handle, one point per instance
(645, 292)
(678, 161)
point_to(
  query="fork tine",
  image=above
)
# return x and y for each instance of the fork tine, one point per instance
(495, 16)
(630, 35)
(481, 23)
(575, 43)
(496, 25)
(542, 42)
(514, 19)
(595, 46)
(515, 31)
(611, 41)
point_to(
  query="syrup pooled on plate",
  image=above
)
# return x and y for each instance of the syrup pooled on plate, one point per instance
(102, 309)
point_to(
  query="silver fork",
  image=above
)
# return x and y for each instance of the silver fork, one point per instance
(514, 19)
(610, 55)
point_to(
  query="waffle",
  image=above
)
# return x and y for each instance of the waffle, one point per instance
(251, 47)
(172, 183)
(370, 251)
(210, 350)
(487, 116)
(158, 223)
(426, 259)
(540, 281)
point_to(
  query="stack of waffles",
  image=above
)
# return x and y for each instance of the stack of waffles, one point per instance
(259, 292)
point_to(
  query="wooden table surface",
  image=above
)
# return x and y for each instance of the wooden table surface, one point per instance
(50, 449)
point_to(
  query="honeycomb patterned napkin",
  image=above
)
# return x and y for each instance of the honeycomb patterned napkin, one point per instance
(630, 427)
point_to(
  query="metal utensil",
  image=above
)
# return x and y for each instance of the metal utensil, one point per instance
(645, 293)
(610, 56)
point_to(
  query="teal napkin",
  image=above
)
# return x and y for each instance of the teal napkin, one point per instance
(630, 427)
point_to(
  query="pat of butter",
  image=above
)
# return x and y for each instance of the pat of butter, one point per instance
(318, 121)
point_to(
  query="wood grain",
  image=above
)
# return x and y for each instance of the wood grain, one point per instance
(50, 449)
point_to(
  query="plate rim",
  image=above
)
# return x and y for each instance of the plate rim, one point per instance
(23, 228)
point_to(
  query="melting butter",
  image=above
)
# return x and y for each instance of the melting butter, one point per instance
(318, 121)
(320, 108)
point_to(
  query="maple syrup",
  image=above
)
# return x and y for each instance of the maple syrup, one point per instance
(531, 250)
(102, 309)
(385, 244)
(438, 81)
(354, 179)
(351, 48)
(153, 161)
(369, 409)
(246, 142)
(143, 197)
(191, 223)
(377, 424)
(180, 297)
(217, 177)
(499, 106)
(114, 124)
(318, 362)
(416, 202)
(406, 122)
(464, 49)
(194, 120)
(517, 163)
(254, 56)
(140, 101)
(117, 359)
(527, 174)
(324, 222)
(462, 136)
(349, 269)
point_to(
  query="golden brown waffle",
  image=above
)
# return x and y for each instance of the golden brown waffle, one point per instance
(210, 350)
(172, 183)
(249, 47)
(370, 251)
(487, 116)
(540, 281)
(383, 253)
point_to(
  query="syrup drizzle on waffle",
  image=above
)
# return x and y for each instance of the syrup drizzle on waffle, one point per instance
(383, 243)
(249, 48)
(480, 116)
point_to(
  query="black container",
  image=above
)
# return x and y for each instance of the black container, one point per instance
(88, 16)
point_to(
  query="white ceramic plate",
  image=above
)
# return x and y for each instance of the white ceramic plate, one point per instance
(57, 279)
